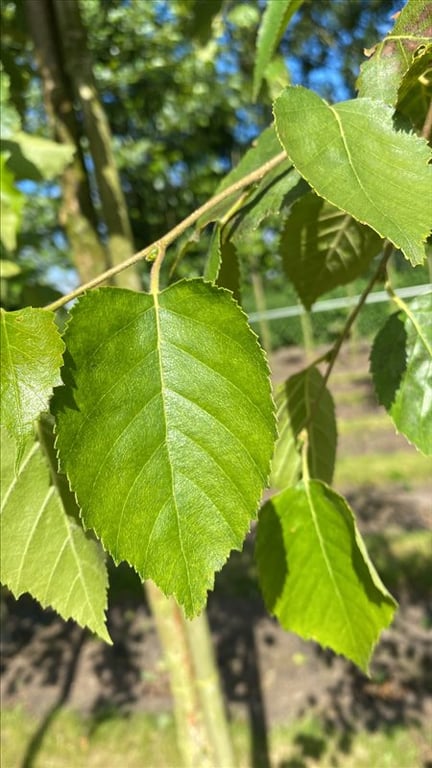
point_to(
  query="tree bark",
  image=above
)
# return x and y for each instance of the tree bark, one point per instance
(192, 738)
(79, 67)
(77, 214)
(209, 690)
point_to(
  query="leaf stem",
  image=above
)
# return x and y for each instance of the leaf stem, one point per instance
(334, 351)
(162, 243)
(407, 311)
(332, 354)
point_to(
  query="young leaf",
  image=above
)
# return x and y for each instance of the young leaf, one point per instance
(350, 153)
(264, 149)
(401, 366)
(44, 549)
(323, 247)
(316, 575)
(31, 357)
(166, 429)
(274, 23)
(281, 187)
(222, 267)
(296, 410)
(415, 91)
(381, 75)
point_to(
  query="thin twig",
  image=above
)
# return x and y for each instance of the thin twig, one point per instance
(160, 245)
(388, 250)
(332, 354)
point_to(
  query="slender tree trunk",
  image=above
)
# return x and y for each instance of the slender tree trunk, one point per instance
(192, 738)
(79, 67)
(77, 214)
(209, 691)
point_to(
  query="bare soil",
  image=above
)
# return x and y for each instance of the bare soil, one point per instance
(268, 675)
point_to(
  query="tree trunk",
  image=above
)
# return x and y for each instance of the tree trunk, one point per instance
(77, 214)
(192, 738)
(79, 67)
(209, 691)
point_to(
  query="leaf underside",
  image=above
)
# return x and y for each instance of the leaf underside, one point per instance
(349, 153)
(315, 573)
(401, 366)
(44, 549)
(165, 429)
(304, 402)
(381, 75)
(323, 247)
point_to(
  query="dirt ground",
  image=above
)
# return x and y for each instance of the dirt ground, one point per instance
(268, 675)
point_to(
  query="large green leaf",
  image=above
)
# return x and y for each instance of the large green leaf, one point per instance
(401, 365)
(31, 357)
(323, 247)
(44, 549)
(304, 402)
(353, 157)
(274, 22)
(166, 429)
(380, 77)
(316, 575)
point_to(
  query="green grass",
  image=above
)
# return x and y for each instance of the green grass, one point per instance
(403, 560)
(74, 742)
(374, 422)
(408, 468)
(148, 741)
(306, 745)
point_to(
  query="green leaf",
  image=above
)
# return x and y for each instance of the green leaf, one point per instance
(12, 201)
(315, 572)
(36, 158)
(222, 267)
(304, 401)
(350, 154)
(44, 549)
(10, 121)
(275, 20)
(201, 17)
(380, 77)
(264, 149)
(166, 429)
(279, 188)
(31, 358)
(323, 247)
(415, 91)
(401, 366)
(9, 269)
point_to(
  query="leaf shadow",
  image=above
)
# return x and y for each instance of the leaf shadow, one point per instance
(388, 359)
(63, 396)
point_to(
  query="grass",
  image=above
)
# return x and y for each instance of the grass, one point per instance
(407, 468)
(148, 741)
(403, 559)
